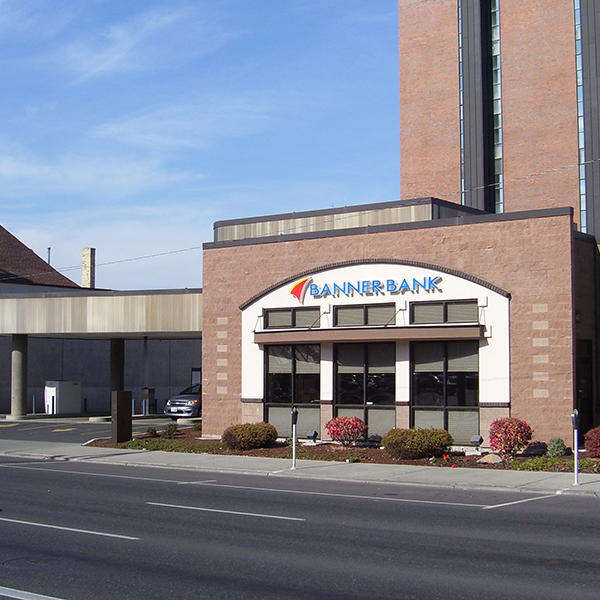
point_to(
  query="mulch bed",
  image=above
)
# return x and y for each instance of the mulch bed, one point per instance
(189, 437)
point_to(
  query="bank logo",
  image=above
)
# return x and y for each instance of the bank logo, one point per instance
(300, 288)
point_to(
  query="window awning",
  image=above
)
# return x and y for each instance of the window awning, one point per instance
(370, 334)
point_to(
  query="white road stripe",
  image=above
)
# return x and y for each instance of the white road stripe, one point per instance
(47, 526)
(27, 467)
(196, 482)
(227, 512)
(20, 595)
(212, 483)
(209, 482)
(518, 502)
(353, 496)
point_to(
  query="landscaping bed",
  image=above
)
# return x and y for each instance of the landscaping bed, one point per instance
(189, 440)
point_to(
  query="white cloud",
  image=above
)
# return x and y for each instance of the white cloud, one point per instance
(196, 124)
(116, 50)
(90, 176)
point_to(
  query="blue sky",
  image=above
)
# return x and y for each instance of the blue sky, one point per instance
(132, 126)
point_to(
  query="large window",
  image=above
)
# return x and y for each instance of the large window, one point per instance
(365, 374)
(293, 374)
(283, 318)
(455, 311)
(364, 314)
(445, 387)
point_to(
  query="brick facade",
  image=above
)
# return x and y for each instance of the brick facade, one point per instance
(531, 258)
(539, 107)
(429, 118)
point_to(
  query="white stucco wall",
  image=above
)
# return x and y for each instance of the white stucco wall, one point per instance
(494, 349)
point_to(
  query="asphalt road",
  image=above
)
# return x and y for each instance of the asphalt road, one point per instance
(89, 531)
(68, 431)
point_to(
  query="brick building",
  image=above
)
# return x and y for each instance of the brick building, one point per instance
(427, 312)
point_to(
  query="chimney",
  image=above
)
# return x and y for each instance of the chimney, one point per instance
(88, 268)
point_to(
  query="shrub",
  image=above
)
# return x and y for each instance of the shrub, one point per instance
(556, 447)
(416, 443)
(346, 429)
(248, 436)
(151, 432)
(508, 436)
(197, 426)
(592, 442)
(550, 463)
(169, 431)
(536, 449)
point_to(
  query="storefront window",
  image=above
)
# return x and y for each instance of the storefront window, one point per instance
(293, 374)
(461, 311)
(364, 314)
(445, 387)
(365, 374)
(285, 318)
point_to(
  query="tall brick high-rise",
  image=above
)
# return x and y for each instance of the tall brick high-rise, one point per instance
(499, 104)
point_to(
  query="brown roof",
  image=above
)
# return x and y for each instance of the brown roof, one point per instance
(19, 264)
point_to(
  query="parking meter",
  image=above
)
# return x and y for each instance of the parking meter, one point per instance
(294, 414)
(575, 421)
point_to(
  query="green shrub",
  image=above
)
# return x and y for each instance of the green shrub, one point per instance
(556, 447)
(197, 426)
(543, 463)
(151, 432)
(592, 442)
(248, 436)
(169, 431)
(416, 443)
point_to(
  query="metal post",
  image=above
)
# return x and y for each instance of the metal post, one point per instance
(294, 421)
(575, 420)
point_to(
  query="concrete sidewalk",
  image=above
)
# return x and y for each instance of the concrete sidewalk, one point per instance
(486, 479)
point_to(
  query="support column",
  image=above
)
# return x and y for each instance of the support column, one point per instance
(117, 365)
(18, 376)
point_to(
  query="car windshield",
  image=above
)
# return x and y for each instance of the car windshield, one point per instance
(193, 389)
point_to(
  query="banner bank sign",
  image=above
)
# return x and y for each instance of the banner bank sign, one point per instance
(365, 287)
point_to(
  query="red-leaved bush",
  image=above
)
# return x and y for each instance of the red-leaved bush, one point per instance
(592, 442)
(508, 436)
(346, 429)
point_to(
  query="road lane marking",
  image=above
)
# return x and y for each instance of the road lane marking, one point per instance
(195, 482)
(227, 512)
(47, 526)
(21, 595)
(492, 506)
(212, 483)
(64, 429)
(337, 495)
(8, 424)
(26, 467)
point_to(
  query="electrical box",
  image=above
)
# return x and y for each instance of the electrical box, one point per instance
(62, 397)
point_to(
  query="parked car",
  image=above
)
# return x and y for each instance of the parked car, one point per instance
(188, 403)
